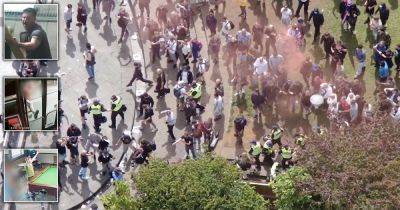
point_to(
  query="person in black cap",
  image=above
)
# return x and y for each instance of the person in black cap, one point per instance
(137, 74)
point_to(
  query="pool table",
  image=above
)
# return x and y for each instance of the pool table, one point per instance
(47, 179)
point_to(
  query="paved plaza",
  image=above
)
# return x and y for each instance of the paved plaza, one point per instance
(114, 69)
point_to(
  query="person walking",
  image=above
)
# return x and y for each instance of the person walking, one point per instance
(157, 48)
(240, 123)
(351, 16)
(144, 5)
(369, 9)
(145, 99)
(375, 25)
(137, 74)
(302, 3)
(123, 20)
(95, 4)
(211, 22)
(219, 87)
(276, 135)
(90, 60)
(185, 75)
(161, 13)
(195, 93)
(84, 165)
(117, 108)
(218, 107)
(243, 4)
(258, 33)
(328, 41)
(286, 15)
(361, 58)
(83, 103)
(126, 139)
(171, 47)
(81, 17)
(74, 134)
(196, 48)
(214, 46)
(286, 153)
(189, 144)
(384, 13)
(161, 82)
(318, 20)
(170, 121)
(68, 12)
(96, 109)
(268, 151)
(148, 114)
(105, 158)
(257, 99)
(305, 70)
(275, 62)
(397, 60)
(270, 39)
(108, 6)
(255, 152)
(62, 151)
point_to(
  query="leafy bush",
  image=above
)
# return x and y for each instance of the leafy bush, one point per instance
(205, 183)
(287, 193)
(355, 170)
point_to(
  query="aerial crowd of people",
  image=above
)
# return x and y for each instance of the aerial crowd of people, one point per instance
(256, 60)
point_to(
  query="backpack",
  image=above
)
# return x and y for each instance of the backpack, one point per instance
(240, 122)
(93, 61)
(232, 26)
(177, 91)
(153, 146)
(126, 139)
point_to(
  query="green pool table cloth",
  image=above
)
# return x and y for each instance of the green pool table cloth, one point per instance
(48, 177)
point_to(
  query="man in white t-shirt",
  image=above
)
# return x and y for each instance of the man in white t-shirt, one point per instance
(171, 49)
(260, 66)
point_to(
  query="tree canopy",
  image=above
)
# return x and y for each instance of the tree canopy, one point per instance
(205, 183)
(355, 169)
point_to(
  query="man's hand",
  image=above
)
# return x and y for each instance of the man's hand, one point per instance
(12, 41)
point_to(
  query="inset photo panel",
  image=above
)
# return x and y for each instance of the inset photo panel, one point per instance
(30, 175)
(30, 104)
(30, 31)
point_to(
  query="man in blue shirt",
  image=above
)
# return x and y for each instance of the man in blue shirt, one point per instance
(383, 71)
(361, 57)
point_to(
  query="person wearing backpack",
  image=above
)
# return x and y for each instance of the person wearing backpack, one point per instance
(179, 93)
(240, 123)
(90, 60)
(318, 20)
